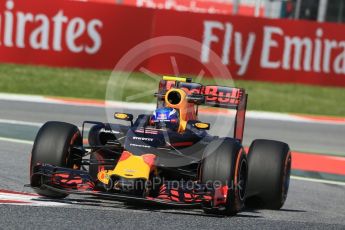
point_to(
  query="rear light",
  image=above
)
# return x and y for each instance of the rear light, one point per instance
(125, 155)
(149, 159)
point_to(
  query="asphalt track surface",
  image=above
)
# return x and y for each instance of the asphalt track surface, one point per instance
(310, 205)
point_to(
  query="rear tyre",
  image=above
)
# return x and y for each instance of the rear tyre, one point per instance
(269, 174)
(53, 145)
(225, 162)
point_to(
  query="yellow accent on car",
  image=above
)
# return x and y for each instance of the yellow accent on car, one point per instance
(103, 176)
(133, 167)
(171, 78)
(200, 125)
(121, 116)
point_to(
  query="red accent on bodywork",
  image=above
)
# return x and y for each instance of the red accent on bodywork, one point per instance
(173, 198)
(190, 197)
(181, 144)
(149, 159)
(62, 179)
(102, 175)
(87, 186)
(207, 198)
(187, 196)
(152, 123)
(220, 195)
(100, 160)
(125, 155)
(235, 96)
(174, 193)
(240, 117)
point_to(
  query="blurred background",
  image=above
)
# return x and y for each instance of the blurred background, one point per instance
(314, 10)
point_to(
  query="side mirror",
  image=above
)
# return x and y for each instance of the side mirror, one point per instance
(124, 117)
(199, 125)
(202, 125)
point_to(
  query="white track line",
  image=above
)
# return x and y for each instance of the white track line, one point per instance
(16, 122)
(22, 97)
(13, 140)
(28, 123)
(27, 199)
(318, 180)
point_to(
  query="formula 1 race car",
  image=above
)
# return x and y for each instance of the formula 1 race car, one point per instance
(164, 158)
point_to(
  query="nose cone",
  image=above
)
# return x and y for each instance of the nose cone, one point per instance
(135, 167)
(130, 167)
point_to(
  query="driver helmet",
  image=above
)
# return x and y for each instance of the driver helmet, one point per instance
(166, 117)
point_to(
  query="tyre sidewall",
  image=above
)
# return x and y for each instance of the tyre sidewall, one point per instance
(221, 162)
(267, 168)
(53, 145)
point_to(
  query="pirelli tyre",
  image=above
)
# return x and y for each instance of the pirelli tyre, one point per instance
(269, 174)
(225, 163)
(54, 145)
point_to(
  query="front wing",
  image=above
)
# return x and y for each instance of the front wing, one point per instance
(69, 181)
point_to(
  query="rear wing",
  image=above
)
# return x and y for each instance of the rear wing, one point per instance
(211, 95)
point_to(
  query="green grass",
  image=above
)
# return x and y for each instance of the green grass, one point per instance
(92, 84)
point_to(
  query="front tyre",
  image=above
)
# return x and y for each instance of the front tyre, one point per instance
(225, 162)
(269, 174)
(54, 145)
